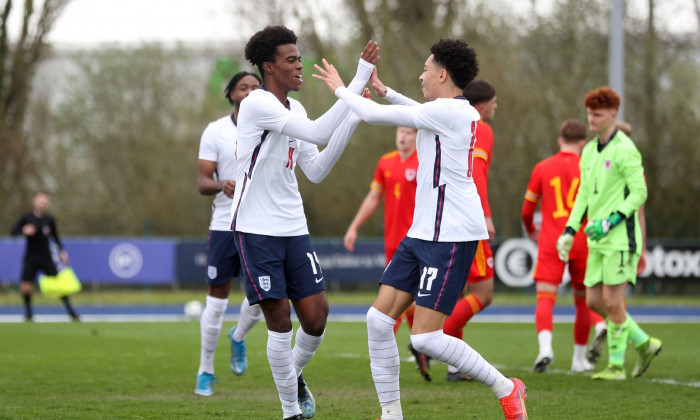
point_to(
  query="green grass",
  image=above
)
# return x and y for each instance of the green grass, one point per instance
(147, 370)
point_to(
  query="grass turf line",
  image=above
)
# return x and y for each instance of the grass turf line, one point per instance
(147, 370)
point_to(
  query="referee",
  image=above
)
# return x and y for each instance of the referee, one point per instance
(38, 226)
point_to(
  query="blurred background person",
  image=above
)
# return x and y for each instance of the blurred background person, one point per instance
(39, 228)
(553, 185)
(216, 176)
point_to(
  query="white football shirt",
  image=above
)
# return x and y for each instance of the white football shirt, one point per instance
(218, 144)
(267, 199)
(447, 207)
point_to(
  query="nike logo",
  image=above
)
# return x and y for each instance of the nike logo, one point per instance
(423, 294)
(318, 280)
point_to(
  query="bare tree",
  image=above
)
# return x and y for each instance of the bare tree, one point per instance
(19, 58)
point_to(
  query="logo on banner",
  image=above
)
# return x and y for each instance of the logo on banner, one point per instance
(410, 174)
(211, 272)
(125, 260)
(264, 282)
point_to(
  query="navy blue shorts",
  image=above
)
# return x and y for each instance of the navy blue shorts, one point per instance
(279, 267)
(433, 272)
(223, 262)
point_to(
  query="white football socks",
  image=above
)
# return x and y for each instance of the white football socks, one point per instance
(210, 329)
(305, 347)
(250, 315)
(579, 352)
(279, 354)
(544, 338)
(384, 362)
(457, 353)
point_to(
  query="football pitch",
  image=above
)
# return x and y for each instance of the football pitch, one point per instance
(147, 370)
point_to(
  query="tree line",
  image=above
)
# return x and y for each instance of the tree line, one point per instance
(119, 149)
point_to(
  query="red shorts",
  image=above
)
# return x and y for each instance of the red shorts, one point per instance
(482, 267)
(550, 269)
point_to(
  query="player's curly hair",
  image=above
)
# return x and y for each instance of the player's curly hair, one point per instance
(602, 98)
(234, 81)
(572, 131)
(479, 91)
(458, 59)
(262, 47)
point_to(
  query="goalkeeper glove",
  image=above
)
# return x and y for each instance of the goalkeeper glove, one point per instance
(564, 244)
(598, 228)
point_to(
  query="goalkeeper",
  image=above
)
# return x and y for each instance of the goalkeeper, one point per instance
(612, 189)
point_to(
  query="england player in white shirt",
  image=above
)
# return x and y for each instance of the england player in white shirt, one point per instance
(432, 262)
(216, 176)
(279, 263)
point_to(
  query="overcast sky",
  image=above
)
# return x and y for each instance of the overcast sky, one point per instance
(134, 21)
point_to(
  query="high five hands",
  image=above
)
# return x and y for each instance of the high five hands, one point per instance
(329, 74)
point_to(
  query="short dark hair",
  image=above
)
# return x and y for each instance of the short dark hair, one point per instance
(479, 91)
(602, 98)
(262, 47)
(234, 81)
(458, 59)
(572, 131)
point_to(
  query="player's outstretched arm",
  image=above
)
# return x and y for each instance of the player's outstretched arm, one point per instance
(319, 131)
(397, 115)
(317, 165)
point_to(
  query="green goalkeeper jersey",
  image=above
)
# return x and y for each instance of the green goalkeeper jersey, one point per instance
(612, 180)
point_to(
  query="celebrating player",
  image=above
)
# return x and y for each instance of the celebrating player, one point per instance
(431, 263)
(396, 176)
(612, 190)
(216, 174)
(482, 96)
(553, 183)
(279, 262)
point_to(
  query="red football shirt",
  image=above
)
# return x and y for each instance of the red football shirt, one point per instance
(554, 182)
(397, 180)
(482, 163)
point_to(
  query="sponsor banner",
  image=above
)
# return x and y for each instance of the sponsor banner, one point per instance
(515, 262)
(366, 264)
(162, 261)
(104, 260)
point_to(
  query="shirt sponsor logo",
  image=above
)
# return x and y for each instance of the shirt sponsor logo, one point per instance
(410, 174)
(264, 282)
(211, 272)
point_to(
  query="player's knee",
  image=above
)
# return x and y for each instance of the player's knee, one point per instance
(378, 323)
(255, 312)
(316, 327)
(427, 343)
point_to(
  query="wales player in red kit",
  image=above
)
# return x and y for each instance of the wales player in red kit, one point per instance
(395, 180)
(482, 96)
(554, 183)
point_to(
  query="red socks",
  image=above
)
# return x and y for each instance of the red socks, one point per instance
(582, 323)
(544, 310)
(464, 310)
